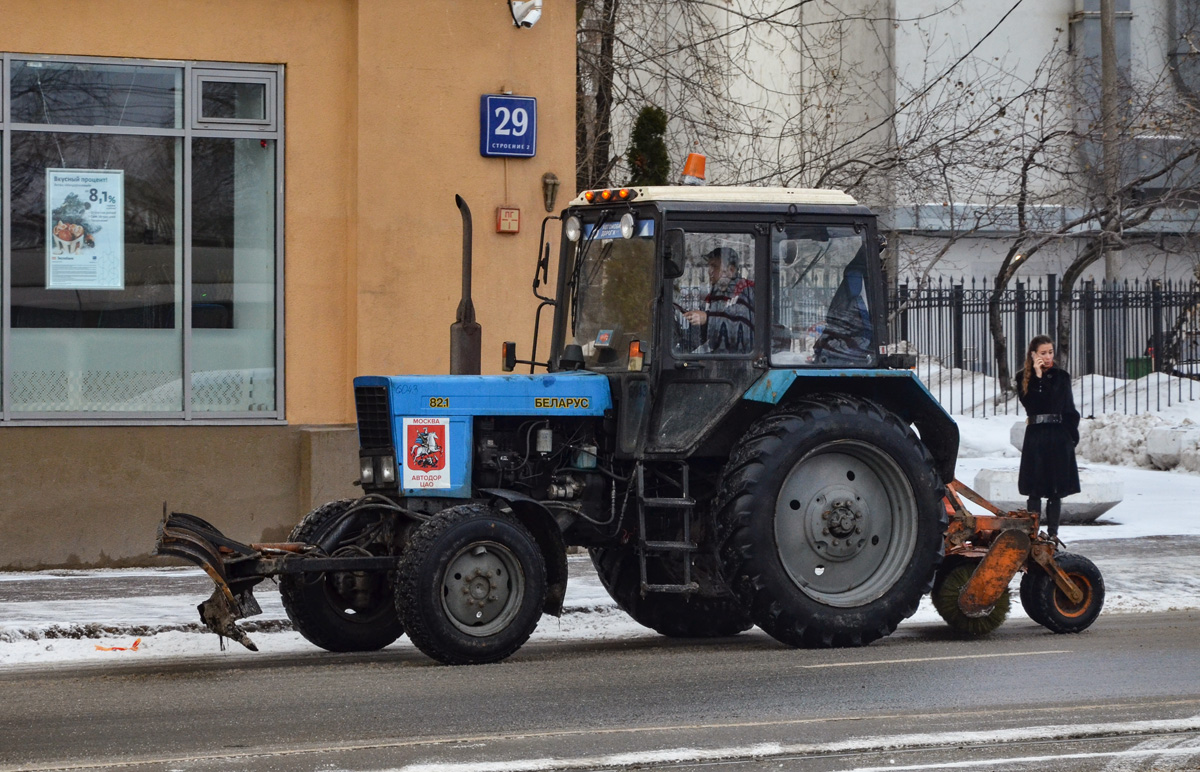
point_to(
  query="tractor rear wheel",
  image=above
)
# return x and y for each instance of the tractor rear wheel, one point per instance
(471, 585)
(343, 610)
(948, 584)
(1050, 607)
(832, 521)
(672, 615)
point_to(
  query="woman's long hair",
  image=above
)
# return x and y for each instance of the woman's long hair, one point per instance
(1037, 342)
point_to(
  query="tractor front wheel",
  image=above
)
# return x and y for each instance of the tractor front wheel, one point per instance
(471, 585)
(832, 521)
(670, 614)
(343, 610)
(1050, 607)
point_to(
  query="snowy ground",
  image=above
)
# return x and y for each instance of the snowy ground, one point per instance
(51, 617)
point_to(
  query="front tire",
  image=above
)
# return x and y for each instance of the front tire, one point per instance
(832, 518)
(343, 610)
(669, 614)
(471, 586)
(1050, 607)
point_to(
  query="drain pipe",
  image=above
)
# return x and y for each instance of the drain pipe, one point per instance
(465, 334)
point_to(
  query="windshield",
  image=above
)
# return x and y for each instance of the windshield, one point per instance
(612, 295)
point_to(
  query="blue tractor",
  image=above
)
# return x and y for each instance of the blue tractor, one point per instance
(717, 421)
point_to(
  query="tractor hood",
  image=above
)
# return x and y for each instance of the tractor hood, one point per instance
(427, 421)
(559, 394)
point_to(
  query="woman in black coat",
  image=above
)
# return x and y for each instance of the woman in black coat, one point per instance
(1048, 469)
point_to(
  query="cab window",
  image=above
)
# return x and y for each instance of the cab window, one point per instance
(820, 299)
(713, 298)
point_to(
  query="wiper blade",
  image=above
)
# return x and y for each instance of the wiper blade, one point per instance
(577, 269)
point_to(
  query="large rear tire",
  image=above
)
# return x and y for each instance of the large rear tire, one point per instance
(832, 520)
(343, 610)
(672, 615)
(471, 586)
(1050, 607)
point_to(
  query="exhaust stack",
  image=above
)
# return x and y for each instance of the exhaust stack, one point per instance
(465, 334)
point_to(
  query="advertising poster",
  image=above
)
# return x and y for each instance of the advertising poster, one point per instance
(85, 229)
(425, 462)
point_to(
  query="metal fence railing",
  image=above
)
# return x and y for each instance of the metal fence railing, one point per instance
(1135, 346)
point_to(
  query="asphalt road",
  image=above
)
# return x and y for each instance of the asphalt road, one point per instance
(1129, 686)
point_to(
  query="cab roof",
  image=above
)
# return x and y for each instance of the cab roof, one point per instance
(733, 194)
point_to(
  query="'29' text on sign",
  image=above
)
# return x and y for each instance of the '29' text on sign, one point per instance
(507, 126)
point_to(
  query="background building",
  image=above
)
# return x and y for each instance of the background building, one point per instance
(977, 126)
(215, 215)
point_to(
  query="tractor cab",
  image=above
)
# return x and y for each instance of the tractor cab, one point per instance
(702, 291)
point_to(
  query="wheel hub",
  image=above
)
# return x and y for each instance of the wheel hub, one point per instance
(843, 519)
(357, 591)
(478, 588)
(835, 523)
(356, 588)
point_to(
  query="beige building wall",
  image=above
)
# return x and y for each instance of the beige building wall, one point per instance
(382, 130)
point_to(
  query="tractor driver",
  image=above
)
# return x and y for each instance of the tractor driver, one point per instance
(846, 338)
(725, 320)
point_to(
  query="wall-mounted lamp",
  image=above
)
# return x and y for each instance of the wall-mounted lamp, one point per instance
(525, 14)
(550, 189)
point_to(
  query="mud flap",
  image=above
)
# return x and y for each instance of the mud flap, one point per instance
(1005, 557)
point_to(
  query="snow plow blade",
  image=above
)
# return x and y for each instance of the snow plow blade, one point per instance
(191, 538)
(236, 568)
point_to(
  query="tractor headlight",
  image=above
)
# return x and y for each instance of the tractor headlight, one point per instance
(628, 225)
(387, 469)
(573, 229)
(366, 471)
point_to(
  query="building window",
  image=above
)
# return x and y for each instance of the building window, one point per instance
(225, 98)
(141, 241)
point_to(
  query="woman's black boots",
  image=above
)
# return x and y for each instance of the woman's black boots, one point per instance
(1053, 510)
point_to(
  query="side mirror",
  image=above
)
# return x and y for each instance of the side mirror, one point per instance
(508, 356)
(673, 253)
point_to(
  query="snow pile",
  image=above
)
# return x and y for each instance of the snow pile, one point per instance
(1118, 439)
(963, 392)
(1153, 392)
(986, 437)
